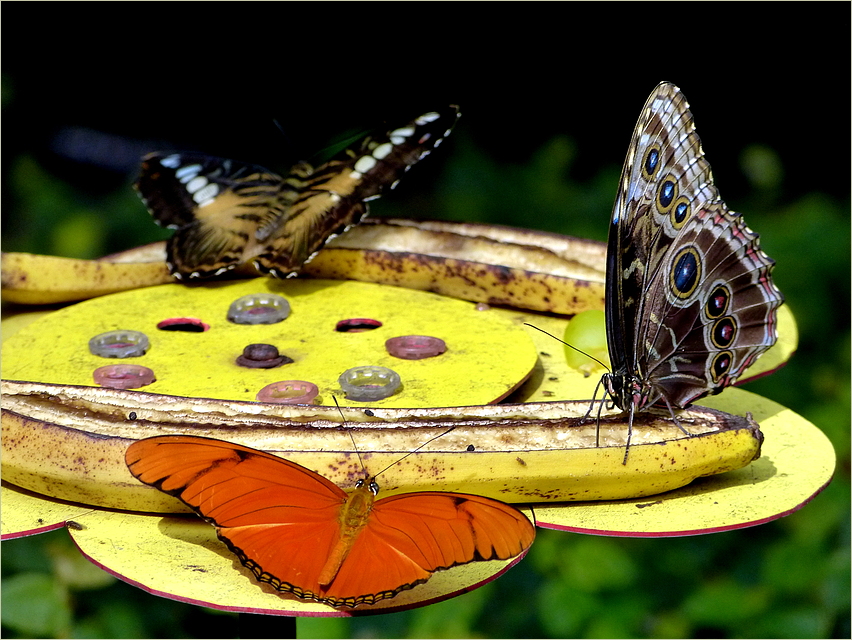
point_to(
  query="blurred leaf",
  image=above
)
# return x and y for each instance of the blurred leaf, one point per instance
(723, 603)
(451, 618)
(307, 628)
(544, 553)
(35, 604)
(563, 610)
(610, 625)
(670, 624)
(28, 553)
(79, 235)
(597, 564)
(836, 588)
(123, 620)
(794, 568)
(88, 627)
(51, 217)
(796, 622)
(762, 166)
(74, 571)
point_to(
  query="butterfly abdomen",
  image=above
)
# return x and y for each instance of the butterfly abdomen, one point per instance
(353, 518)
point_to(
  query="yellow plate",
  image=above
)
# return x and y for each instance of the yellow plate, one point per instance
(181, 558)
(55, 348)
(797, 462)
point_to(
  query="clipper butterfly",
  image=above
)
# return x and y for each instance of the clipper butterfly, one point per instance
(226, 213)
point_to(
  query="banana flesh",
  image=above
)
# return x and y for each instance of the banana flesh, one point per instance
(481, 263)
(69, 442)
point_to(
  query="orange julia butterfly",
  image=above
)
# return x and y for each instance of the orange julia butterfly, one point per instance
(302, 534)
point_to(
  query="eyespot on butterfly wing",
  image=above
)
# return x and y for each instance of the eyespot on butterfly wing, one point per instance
(303, 535)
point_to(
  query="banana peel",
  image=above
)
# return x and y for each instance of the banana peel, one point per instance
(32, 279)
(69, 442)
(481, 263)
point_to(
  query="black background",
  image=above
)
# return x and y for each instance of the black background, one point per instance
(213, 77)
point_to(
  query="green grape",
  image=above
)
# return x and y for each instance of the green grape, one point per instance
(586, 331)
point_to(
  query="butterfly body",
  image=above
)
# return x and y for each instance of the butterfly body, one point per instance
(690, 302)
(302, 534)
(227, 213)
(354, 515)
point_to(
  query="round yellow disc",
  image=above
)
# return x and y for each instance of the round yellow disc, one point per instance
(488, 355)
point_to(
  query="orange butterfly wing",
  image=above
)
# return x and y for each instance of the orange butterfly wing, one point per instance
(269, 511)
(283, 521)
(410, 536)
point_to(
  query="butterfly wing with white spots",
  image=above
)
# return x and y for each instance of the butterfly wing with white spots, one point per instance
(216, 206)
(227, 213)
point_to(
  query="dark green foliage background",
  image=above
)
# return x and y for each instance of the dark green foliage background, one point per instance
(550, 94)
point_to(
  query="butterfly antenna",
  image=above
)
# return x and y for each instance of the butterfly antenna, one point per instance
(349, 431)
(278, 126)
(440, 435)
(288, 139)
(355, 446)
(591, 406)
(588, 355)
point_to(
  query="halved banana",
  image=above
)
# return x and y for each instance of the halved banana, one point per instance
(69, 442)
(482, 263)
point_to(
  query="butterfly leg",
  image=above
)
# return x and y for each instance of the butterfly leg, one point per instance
(629, 433)
(674, 417)
(598, 422)
(594, 398)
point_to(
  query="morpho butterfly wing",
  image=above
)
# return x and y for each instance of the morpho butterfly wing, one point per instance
(227, 213)
(690, 302)
(283, 521)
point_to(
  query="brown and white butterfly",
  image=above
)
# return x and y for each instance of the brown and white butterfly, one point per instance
(690, 302)
(227, 213)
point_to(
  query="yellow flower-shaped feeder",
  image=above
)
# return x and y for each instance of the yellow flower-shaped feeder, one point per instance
(64, 436)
